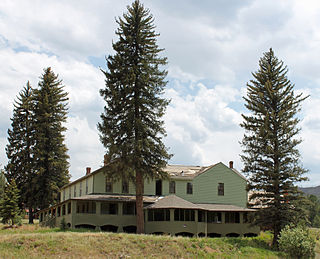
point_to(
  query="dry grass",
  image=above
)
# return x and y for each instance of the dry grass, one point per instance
(36, 242)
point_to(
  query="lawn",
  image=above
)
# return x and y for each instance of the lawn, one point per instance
(37, 242)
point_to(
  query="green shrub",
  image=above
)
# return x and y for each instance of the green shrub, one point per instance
(63, 224)
(297, 242)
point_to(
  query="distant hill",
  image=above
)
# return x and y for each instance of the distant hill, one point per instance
(311, 190)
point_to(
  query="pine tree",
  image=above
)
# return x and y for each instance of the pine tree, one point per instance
(2, 183)
(131, 129)
(270, 155)
(50, 152)
(20, 148)
(9, 208)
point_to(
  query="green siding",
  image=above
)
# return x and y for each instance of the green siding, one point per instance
(205, 187)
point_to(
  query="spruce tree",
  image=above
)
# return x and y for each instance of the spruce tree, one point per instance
(20, 146)
(9, 209)
(132, 129)
(2, 183)
(270, 155)
(50, 152)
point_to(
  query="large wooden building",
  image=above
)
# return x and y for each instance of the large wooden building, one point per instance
(194, 201)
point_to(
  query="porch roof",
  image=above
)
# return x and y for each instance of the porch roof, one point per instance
(172, 202)
(222, 207)
(112, 197)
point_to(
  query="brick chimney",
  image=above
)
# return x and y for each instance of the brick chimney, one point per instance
(231, 164)
(88, 170)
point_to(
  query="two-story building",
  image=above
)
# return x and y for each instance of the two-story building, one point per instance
(194, 201)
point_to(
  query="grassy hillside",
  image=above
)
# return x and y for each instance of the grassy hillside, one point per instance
(36, 242)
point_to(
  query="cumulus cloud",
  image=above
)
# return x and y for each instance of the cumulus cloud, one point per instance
(212, 48)
(202, 128)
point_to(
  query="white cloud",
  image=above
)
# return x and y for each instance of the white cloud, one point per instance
(84, 146)
(202, 128)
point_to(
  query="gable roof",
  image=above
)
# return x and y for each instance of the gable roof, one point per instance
(172, 202)
(175, 202)
(190, 172)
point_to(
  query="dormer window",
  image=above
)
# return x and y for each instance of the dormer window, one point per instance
(220, 189)
(189, 188)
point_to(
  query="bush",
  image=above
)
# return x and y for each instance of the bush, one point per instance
(296, 242)
(63, 224)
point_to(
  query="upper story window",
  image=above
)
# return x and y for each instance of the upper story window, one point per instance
(75, 191)
(125, 186)
(70, 192)
(108, 185)
(158, 187)
(221, 189)
(172, 187)
(80, 188)
(64, 194)
(87, 186)
(189, 188)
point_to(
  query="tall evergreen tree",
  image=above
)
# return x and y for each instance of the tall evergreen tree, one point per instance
(270, 155)
(132, 129)
(9, 209)
(50, 152)
(20, 147)
(2, 183)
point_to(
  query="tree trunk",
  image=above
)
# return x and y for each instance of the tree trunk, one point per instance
(30, 215)
(139, 203)
(276, 232)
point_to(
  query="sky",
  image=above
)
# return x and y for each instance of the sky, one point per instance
(212, 46)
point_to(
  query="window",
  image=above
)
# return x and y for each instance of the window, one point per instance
(247, 218)
(232, 217)
(69, 207)
(183, 215)
(64, 194)
(158, 187)
(86, 207)
(80, 193)
(109, 208)
(129, 208)
(63, 209)
(221, 189)
(214, 217)
(108, 185)
(87, 186)
(125, 186)
(75, 191)
(69, 192)
(201, 216)
(189, 188)
(59, 210)
(172, 187)
(159, 215)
